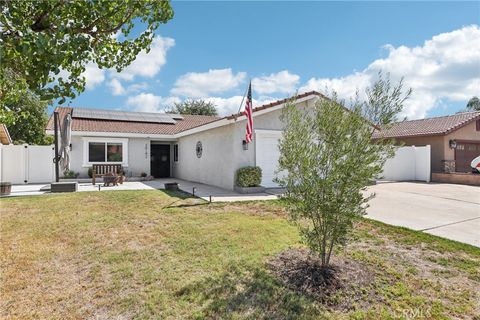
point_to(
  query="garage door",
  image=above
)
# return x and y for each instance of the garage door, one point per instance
(465, 152)
(267, 154)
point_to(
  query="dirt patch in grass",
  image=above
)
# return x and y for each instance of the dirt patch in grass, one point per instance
(337, 286)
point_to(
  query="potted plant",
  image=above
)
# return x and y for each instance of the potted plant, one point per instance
(248, 180)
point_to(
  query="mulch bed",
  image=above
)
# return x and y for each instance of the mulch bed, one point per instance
(342, 286)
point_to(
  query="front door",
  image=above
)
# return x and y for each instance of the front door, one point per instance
(160, 160)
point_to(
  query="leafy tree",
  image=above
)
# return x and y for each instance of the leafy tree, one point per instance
(198, 107)
(473, 104)
(27, 121)
(327, 159)
(45, 45)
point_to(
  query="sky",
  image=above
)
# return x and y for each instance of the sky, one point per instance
(211, 50)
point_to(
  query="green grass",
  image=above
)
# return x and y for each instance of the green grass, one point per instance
(149, 254)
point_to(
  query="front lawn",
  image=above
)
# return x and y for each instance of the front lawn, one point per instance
(148, 254)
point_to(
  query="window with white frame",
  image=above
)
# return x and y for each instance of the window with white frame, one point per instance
(105, 151)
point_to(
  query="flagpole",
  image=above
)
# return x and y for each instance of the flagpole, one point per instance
(241, 103)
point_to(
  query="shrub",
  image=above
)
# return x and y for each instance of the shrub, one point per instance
(249, 177)
(70, 174)
(143, 174)
(90, 172)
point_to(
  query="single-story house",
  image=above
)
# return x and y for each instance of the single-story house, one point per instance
(454, 139)
(4, 135)
(202, 149)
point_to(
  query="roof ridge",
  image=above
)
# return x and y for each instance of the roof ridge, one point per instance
(439, 117)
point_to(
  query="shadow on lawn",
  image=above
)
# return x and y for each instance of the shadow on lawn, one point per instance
(250, 293)
(184, 199)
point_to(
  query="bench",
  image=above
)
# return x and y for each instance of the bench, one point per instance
(100, 170)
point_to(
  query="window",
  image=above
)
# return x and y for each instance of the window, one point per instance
(478, 125)
(114, 152)
(96, 152)
(105, 150)
(175, 152)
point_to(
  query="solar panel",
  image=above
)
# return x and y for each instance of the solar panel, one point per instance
(117, 115)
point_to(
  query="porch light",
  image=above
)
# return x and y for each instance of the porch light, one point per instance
(70, 145)
(452, 144)
(245, 144)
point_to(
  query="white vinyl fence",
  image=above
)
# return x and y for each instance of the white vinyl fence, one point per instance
(21, 164)
(409, 164)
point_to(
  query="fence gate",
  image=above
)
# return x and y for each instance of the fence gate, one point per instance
(20, 164)
(409, 163)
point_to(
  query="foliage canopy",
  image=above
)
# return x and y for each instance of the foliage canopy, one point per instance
(473, 104)
(45, 45)
(327, 159)
(196, 107)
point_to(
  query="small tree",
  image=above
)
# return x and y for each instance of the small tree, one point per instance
(473, 104)
(328, 159)
(197, 107)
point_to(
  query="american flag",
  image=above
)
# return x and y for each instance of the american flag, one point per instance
(248, 113)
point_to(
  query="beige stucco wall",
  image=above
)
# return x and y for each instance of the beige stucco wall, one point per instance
(223, 151)
(215, 167)
(440, 144)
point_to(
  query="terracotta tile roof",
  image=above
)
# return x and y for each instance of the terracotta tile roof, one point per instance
(428, 127)
(101, 125)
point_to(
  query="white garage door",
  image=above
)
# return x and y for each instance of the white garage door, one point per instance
(267, 154)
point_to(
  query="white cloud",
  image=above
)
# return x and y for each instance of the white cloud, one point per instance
(147, 102)
(202, 84)
(148, 64)
(281, 82)
(117, 87)
(446, 67)
(228, 106)
(93, 75)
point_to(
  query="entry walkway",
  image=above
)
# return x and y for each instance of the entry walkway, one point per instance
(204, 191)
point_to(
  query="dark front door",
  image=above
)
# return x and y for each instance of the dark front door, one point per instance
(160, 160)
(465, 152)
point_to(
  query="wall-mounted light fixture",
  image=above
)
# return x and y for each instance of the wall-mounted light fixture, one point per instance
(452, 144)
(245, 144)
(70, 147)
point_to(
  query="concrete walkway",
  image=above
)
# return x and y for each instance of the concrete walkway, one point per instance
(200, 190)
(447, 210)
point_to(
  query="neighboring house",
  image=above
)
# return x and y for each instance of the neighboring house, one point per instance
(454, 139)
(197, 148)
(4, 135)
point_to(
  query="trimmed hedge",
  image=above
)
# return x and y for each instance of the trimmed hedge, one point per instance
(249, 177)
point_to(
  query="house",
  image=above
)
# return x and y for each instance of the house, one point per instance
(4, 135)
(454, 139)
(202, 149)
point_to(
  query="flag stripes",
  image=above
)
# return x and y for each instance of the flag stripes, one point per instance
(248, 113)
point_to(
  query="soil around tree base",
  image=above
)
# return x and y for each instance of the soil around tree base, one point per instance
(344, 285)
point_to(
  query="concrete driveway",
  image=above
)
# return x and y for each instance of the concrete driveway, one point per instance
(446, 210)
